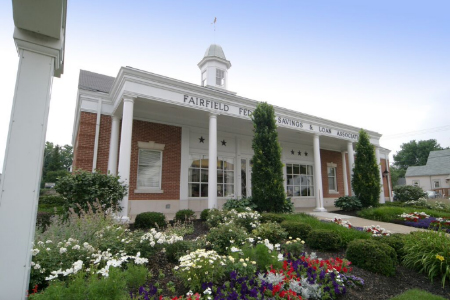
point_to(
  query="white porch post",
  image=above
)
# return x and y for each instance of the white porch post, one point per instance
(125, 150)
(388, 178)
(212, 167)
(318, 175)
(344, 173)
(377, 154)
(22, 169)
(114, 145)
(351, 163)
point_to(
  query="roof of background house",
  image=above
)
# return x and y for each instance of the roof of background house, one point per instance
(438, 163)
(95, 82)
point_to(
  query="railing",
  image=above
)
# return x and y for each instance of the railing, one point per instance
(442, 192)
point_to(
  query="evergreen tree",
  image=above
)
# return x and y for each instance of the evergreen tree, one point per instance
(267, 172)
(366, 173)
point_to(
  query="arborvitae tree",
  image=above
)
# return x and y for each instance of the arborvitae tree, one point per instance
(267, 172)
(366, 173)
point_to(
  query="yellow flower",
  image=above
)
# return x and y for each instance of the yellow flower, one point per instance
(440, 257)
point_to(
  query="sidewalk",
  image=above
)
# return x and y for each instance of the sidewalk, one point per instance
(355, 221)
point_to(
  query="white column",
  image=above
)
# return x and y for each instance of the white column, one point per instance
(377, 154)
(344, 173)
(125, 150)
(237, 170)
(114, 145)
(351, 163)
(318, 175)
(97, 134)
(184, 172)
(212, 168)
(22, 168)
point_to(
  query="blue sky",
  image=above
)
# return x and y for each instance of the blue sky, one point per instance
(380, 65)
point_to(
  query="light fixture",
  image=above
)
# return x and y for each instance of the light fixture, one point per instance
(386, 173)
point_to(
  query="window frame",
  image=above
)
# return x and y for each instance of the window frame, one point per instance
(334, 167)
(222, 79)
(434, 184)
(222, 158)
(416, 182)
(155, 147)
(308, 166)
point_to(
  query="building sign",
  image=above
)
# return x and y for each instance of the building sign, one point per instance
(280, 120)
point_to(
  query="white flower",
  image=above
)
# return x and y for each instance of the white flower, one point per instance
(76, 247)
(37, 266)
(207, 291)
(34, 252)
(48, 249)
(51, 277)
(62, 250)
(48, 242)
(234, 249)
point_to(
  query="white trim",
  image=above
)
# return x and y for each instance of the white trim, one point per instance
(97, 134)
(143, 190)
(151, 145)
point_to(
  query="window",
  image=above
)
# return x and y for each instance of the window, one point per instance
(220, 77)
(332, 184)
(204, 78)
(149, 169)
(415, 182)
(436, 184)
(300, 180)
(198, 176)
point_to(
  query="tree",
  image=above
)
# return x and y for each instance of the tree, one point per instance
(396, 173)
(267, 172)
(415, 153)
(366, 173)
(57, 161)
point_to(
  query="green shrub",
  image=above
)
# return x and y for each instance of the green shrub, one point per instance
(372, 256)
(149, 220)
(176, 250)
(348, 203)
(263, 257)
(272, 217)
(294, 247)
(416, 294)
(82, 189)
(428, 252)
(322, 239)
(239, 204)
(225, 236)
(396, 241)
(247, 219)
(391, 213)
(345, 234)
(271, 231)
(185, 215)
(296, 229)
(408, 192)
(204, 214)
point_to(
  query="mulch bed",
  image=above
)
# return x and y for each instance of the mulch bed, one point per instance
(377, 287)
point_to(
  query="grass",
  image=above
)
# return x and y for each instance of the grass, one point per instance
(347, 235)
(416, 294)
(391, 213)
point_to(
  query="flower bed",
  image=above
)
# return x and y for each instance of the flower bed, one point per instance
(375, 230)
(422, 220)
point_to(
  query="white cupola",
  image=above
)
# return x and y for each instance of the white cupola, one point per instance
(214, 68)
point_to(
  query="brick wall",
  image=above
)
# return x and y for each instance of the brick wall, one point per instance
(327, 156)
(103, 143)
(171, 162)
(84, 146)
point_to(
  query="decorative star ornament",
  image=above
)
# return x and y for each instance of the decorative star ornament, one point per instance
(224, 143)
(292, 152)
(299, 153)
(202, 140)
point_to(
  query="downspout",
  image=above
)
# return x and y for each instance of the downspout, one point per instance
(97, 133)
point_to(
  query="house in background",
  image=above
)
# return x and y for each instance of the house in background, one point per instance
(435, 175)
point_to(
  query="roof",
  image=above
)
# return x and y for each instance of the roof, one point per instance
(438, 163)
(215, 51)
(95, 82)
